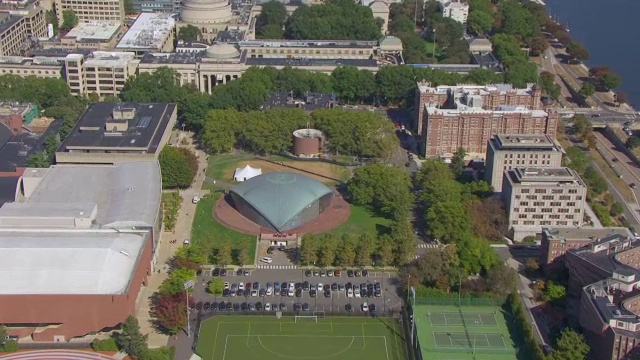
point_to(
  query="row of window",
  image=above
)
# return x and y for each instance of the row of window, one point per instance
(541, 216)
(545, 191)
(303, 51)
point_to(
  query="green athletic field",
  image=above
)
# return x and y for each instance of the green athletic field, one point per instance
(464, 333)
(269, 338)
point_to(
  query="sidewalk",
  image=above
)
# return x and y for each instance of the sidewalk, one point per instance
(165, 252)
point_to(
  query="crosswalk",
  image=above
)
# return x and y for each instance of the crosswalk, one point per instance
(427, 246)
(277, 267)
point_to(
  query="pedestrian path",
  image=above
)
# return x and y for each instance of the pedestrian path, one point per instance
(427, 246)
(280, 267)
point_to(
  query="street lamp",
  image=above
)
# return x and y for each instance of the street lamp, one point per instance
(188, 285)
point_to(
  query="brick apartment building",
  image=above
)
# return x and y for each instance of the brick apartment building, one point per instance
(606, 276)
(555, 242)
(449, 117)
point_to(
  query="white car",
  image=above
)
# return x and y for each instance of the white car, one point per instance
(356, 292)
(267, 260)
(196, 199)
(241, 286)
(365, 307)
(269, 292)
(320, 287)
(267, 307)
(292, 286)
(290, 293)
(226, 285)
(254, 293)
(350, 293)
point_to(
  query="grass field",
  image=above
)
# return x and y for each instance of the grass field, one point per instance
(269, 338)
(222, 167)
(466, 333)
(362, 221)
(206, 229)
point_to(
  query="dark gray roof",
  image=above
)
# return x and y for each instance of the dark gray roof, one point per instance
(309, 101)
(17, 150)
(280, 196)
(5, 134)
(144, 130)
(8, 189)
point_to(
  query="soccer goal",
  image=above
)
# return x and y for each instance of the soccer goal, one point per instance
(319, 314)
(305, 318)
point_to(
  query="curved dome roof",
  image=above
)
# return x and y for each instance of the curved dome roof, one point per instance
(205, 11)
(222, 51)
(280, 196)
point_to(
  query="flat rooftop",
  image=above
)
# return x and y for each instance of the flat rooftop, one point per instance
(301, 62)
(148, 32)
(94, 31)
(142, 132)
(543, 175)
(7, 20)
(109, 58)
(45, 262)
(524, 142)
(307, 44)
(502, 110)
(474, 89)
(569, 234)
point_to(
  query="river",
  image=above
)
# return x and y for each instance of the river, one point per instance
(607, 30)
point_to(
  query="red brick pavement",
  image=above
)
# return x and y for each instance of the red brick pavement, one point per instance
(336, 214)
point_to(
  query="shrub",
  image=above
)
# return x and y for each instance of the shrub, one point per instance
(108, 344)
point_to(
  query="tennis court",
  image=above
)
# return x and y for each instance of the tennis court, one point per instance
(447, 332)
(467, 319)
(270, 338)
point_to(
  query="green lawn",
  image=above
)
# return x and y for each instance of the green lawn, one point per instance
(362, 221)
(206, 229)
(219, 164)
(466, 333)
(269, 338)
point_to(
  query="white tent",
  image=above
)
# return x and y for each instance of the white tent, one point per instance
(246, 173)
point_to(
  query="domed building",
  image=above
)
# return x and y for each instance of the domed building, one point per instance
(210, 16)
(222, 51)
(281, 201)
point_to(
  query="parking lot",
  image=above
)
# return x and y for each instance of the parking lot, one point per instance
(335, 301)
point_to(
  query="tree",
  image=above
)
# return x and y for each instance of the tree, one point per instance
(620, 97)
(384, 189)
(270, 22)
(131, 339)
(587, 89)
(178, 167)
(69, 20)
(171, 312)
(610, 81)
(242, 254)
(189, 33)
(346, 251)
(216, 286)
(52, 19)
(39, 159)
(532, 267)
(501, 280)
(128, 7)
(352, 84)
(174, 284)
(538, 45)
(480, 22)
(483, 76)
(457, 161)
(364, 250)
(384, 252)
(570, 346)
(554, 293)
(308, 250)
(224, 254)
(616, 209)
(632, 142)
(404, 241)
(577, 51)
(108, 344)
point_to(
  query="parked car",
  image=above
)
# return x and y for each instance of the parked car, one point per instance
(266, 259)
(196, 199)
(365, 306)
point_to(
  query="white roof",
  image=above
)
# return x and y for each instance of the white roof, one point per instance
(92, 262)
(109, 58)
(149, 31)
(246, 173)
(126, 194)
(93, 31)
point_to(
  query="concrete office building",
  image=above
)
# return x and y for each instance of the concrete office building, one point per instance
(454, 9)
(103, 72)
(76, 247)
(542, 197)
(505, 152)
(93, 36)
(39, 66)
(150, 32)
(555, 242)
(163, 6)
(14, 39)
(109, 133)
(33, 13)
(111, 11)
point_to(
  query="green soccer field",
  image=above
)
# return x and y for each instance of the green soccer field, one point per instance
(466, 333)
(269, 338)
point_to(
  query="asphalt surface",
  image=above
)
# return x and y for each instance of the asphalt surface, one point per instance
(335, 304)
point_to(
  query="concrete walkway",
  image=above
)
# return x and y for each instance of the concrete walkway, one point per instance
(165, 252)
